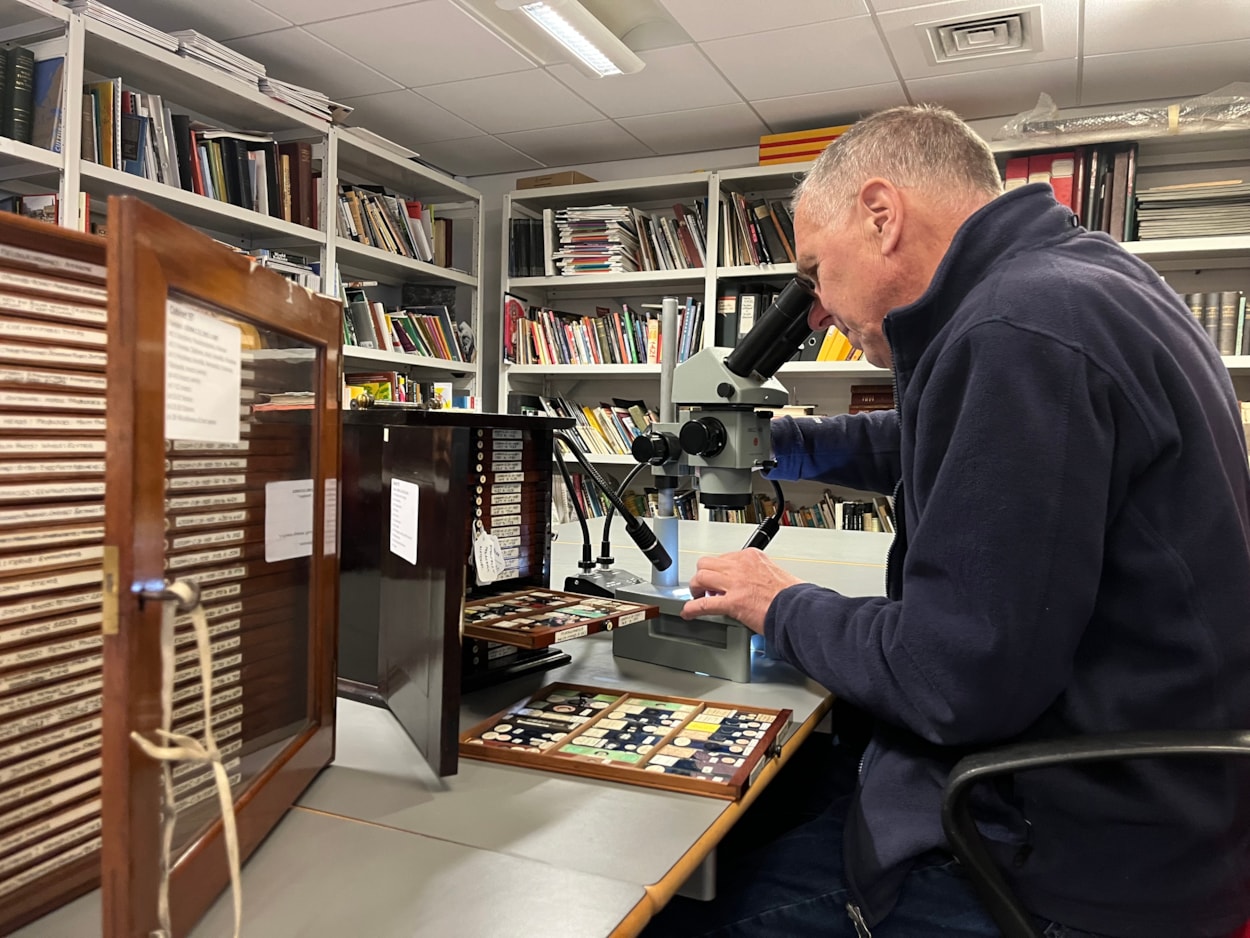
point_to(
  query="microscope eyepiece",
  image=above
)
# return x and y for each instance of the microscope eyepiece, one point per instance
(776, 336)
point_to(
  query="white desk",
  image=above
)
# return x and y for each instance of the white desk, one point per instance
(319, 876)
(380, 846)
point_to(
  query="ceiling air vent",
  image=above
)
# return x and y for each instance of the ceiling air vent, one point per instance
(984, 36)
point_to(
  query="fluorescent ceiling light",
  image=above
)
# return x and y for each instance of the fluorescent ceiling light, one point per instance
(593, 45)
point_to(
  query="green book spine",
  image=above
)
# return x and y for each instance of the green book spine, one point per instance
(19, 79)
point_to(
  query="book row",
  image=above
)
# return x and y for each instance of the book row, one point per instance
(419, 330)
(139, 133)
(597, 239)
(538, 336)
(1223, 316)
(372, 216)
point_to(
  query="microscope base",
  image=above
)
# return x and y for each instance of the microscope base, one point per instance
(716, 646)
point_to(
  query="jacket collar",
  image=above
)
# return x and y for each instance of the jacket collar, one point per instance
(1021, 219)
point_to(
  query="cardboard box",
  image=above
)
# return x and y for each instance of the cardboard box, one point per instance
(800, 146)
(570, 177)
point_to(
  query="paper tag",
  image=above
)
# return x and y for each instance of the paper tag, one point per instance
(487, 555)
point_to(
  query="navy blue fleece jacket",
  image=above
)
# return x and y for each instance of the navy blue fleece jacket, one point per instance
(1072, 557)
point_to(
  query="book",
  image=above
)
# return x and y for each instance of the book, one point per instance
(49, 80)
(298, 155)
(16, 121)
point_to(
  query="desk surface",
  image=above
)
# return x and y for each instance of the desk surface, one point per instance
(321, 876)
(380, 846)
(852, 562)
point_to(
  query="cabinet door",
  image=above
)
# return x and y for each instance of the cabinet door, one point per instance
(422, 586)
(52, 445)
(222, 472)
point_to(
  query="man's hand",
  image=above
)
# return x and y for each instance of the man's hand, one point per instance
(741, 585)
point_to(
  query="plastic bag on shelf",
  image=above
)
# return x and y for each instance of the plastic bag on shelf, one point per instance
(1227, 108)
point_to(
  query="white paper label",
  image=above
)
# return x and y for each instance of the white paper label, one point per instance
(577, 631)
(203, 360)
(405, 500)
(331, 545)
(288, 520)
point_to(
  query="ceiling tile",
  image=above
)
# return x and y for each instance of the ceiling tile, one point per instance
(1137, 76)
(905, 34)
(704, 20)
(519, 101)
(917, 7)
(827, 108)
(477, 156)
(811, 58)
(406, 117)
(1116, 26)
(422, 43)
(577, 143)
(221, 19)
(310, 11)
(998, 92)
(676, 79)
(296, 56)
(709, 128)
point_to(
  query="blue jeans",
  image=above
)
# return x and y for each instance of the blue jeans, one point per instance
(780, 871)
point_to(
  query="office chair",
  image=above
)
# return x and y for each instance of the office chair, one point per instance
(961, 830)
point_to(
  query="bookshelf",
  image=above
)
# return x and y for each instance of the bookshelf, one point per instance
(359, 159)
(1205, 263)
(96, 51)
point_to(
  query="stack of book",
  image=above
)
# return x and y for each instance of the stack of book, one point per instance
(195, 45)
(93, 9)
(305, 99)
(595, 239)
(1194, 209)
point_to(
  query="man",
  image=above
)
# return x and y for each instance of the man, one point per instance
(1072, 557)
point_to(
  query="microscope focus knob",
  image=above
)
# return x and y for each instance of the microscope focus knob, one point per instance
(655, 448)
(703, 437)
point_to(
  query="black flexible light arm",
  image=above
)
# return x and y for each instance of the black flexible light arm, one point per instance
(767, 529)
(638, 532)
(586, 563)
(605, 548)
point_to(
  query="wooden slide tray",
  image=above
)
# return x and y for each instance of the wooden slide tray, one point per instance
(675, 743)
(536, 618)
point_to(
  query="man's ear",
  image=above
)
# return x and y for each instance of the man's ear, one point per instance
(882, 210)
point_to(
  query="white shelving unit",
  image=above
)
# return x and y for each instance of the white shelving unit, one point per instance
(95, 50)
(583, 293)
(1189, 264)
(359, 158)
